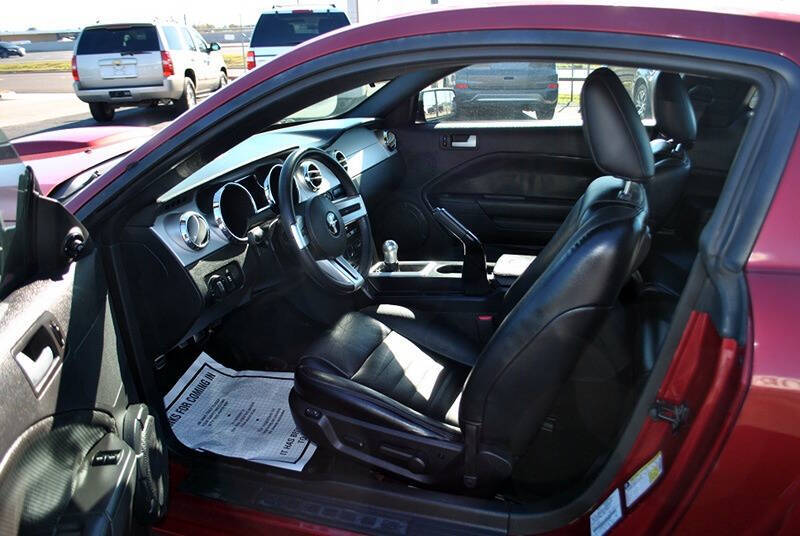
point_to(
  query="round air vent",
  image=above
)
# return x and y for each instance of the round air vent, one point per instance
(341, 158)
(194, 230)
(390, 140)
(312, 176)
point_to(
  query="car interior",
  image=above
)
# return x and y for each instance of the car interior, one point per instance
(470, 308)
(503, 349)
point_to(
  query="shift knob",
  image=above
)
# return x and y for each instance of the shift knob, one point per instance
(390, 255)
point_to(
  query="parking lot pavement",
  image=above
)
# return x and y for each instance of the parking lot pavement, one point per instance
(43, 101)
(40, 56)
(36, 82)
(30, 113)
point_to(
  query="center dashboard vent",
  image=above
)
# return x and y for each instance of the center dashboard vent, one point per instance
(341, 158)
(312, 176)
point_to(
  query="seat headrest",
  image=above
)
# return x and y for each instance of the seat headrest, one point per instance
(673, 110)
(617, 139)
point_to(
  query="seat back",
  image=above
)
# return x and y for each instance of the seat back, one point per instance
(573, 286)
(677, 127)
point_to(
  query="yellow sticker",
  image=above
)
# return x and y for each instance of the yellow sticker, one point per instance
(643, 479)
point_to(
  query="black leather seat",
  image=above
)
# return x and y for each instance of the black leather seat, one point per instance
(667, 267)
(396, 392)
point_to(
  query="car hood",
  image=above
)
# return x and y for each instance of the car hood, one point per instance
(58, 155)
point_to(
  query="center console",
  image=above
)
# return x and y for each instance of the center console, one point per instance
(471, 284)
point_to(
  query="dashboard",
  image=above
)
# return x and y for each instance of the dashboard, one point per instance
(214, 240)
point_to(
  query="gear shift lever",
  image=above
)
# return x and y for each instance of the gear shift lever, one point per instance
(390, 256)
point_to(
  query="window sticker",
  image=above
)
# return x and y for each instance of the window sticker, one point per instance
(606, 515)
(643, 479)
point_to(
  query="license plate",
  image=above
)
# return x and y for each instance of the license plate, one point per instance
(119, 94)
(118, 69)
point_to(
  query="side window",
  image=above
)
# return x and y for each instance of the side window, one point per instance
(187, 38)
(174, 41)
(201, 43)
(524, 91)
(11, 172)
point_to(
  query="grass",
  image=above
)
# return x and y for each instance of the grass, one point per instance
(39, 66)
(563, 98)
(232, 61)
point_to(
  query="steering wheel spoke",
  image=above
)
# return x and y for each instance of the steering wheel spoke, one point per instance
(341, 270)
(299, 234)
(351, 208)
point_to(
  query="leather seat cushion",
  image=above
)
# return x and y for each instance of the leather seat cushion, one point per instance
(362, 364)
(427, 332)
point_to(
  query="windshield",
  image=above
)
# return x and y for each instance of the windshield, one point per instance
(118, 39)
(289, 29)
(336, 105)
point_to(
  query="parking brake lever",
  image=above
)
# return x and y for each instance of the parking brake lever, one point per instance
(473, 273)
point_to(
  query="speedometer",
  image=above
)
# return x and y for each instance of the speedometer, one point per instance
(233, 206)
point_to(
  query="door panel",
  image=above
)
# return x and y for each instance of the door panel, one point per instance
(52, 427)
(512, 190)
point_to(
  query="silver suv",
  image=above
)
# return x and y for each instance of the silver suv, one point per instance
(144, 64)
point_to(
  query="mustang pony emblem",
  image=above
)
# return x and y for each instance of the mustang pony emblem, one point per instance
(333, 223)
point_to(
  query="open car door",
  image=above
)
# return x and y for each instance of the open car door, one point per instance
(77, 455)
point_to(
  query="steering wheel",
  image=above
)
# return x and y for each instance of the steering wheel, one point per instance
(318, 225)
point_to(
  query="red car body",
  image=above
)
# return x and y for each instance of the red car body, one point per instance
(740, 454)
(58, 155)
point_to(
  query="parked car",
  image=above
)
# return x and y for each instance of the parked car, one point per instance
(520, 86)
(10, 49)
(144, 64)
(282, 29)
(279, 30)
(204, 339)
(640, 84)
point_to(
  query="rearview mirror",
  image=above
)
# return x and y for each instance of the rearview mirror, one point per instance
(213, 47)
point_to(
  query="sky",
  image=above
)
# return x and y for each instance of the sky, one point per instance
(73, 14)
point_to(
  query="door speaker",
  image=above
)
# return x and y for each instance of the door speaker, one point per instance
(152, 466)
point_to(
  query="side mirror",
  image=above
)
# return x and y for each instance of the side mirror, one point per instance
(45, 240)
(213, 47)
(437, 104)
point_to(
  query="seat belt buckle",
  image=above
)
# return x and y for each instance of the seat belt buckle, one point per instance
(485, 324)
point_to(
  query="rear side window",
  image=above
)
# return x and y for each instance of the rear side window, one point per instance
(187, 38)
(289, 29)
(173, 38)
(118, 39)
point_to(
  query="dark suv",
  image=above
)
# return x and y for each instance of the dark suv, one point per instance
(10, 49)
(514, 86)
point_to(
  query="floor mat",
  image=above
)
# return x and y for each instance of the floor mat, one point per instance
(241, 414)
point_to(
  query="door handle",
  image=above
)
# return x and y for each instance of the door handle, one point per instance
(40, 351)
(469, 143)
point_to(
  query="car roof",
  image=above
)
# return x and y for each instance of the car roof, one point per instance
(127, 23)
(301, 9)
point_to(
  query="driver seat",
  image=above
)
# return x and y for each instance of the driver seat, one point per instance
(393, 390)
